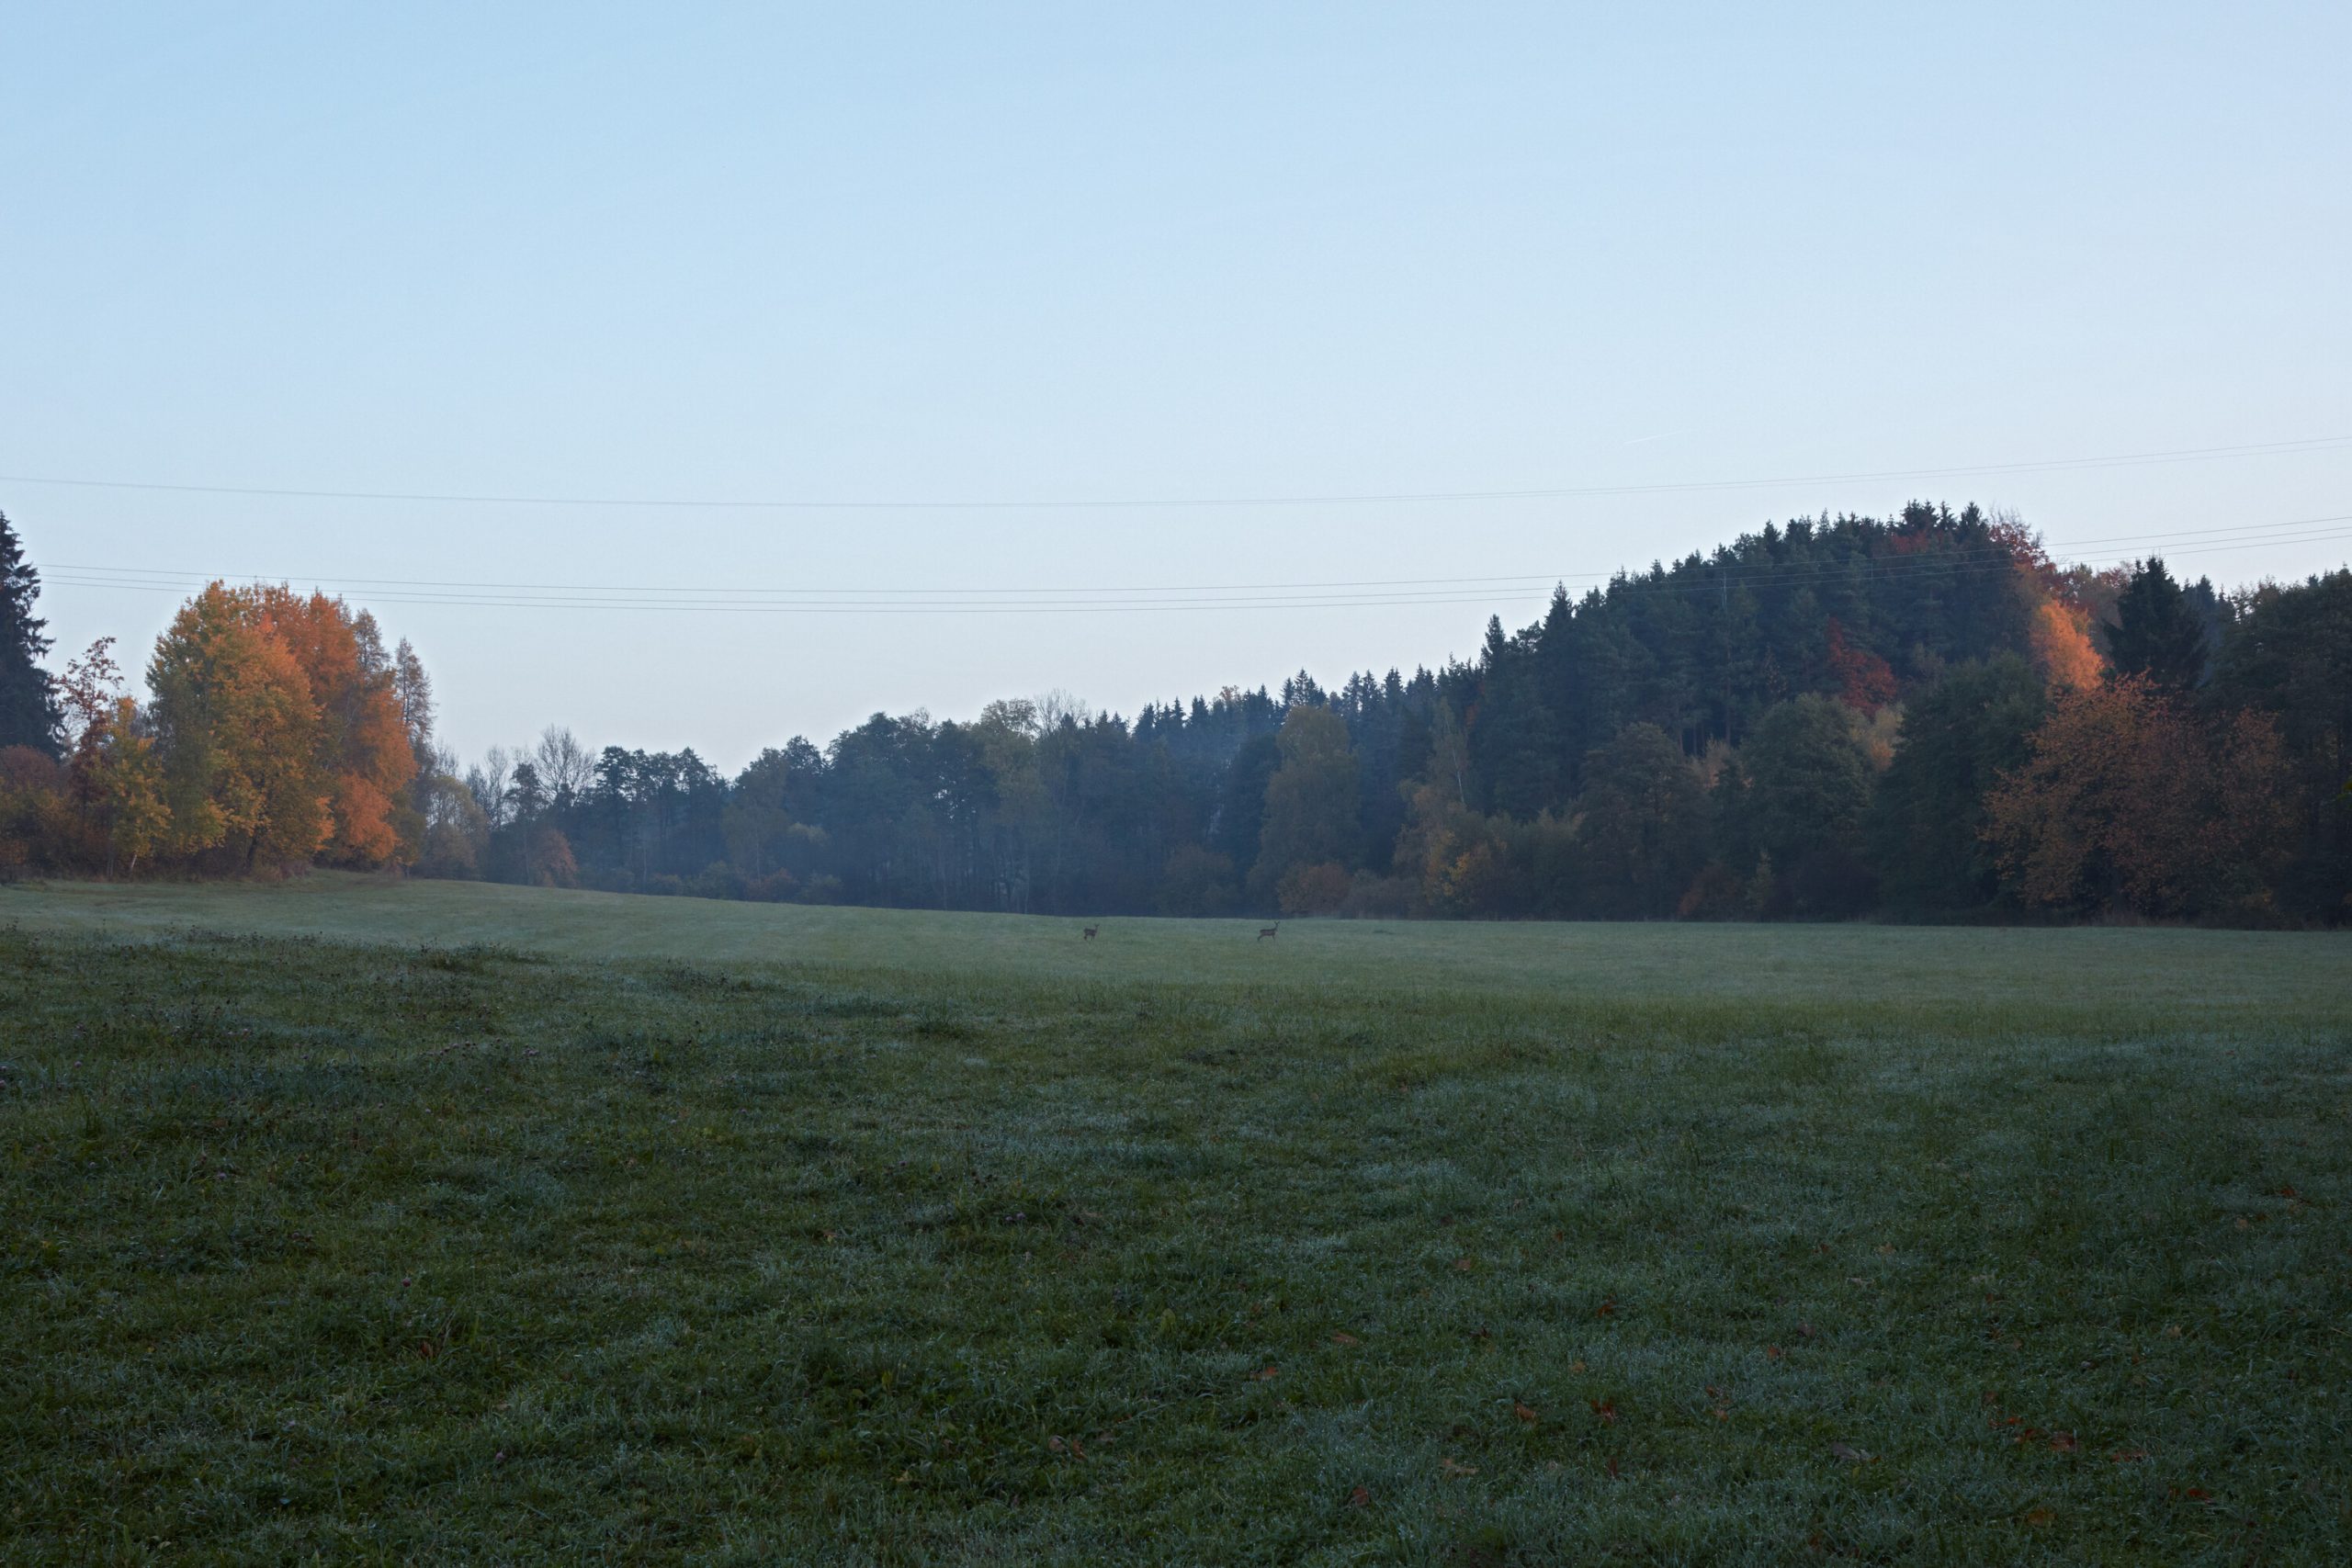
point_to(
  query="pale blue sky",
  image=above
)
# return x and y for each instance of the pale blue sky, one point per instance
(1020, 252)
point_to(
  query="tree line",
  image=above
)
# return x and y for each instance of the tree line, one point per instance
(1919, 716)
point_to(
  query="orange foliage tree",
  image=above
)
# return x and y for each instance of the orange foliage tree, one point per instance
(2060, 635)
(240, 737)
(2133, 801)
(2059, 632)
(281, 734)
(360, 737)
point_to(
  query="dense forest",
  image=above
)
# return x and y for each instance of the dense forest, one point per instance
(1920, 716)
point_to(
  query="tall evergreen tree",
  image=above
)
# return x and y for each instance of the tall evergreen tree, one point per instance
(1513, 748)
(1242, 809)
(2157, 633)
(28, 714)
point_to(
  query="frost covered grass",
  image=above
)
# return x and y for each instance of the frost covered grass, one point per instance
(499, 1227)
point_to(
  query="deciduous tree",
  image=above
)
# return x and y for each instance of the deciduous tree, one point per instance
(1310, 799)
(361, 735)
(1797, 796)
(2133, 801)
(238, 734)
(1642, 833)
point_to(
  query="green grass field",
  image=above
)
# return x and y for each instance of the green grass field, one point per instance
(348, 1219)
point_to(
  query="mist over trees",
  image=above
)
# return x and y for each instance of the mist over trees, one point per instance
(1915, 717)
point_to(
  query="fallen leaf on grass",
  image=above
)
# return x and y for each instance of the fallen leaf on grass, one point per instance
(2065, 1443)
(1612, 1469)
(2129, 1456)
(1608, 1308)
(1344, 1338)
(1523, 1410)
(1359, 1498)
(1266, 1373)
(1773, 1352)
(1453, 1466)
(2039, 1519)
(1606, 1409)
(1851, 1454)
(1464, 1265)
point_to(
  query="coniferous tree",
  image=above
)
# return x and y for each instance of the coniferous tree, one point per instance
(1513, 747)
(1241, 811)
(28, 712)
(2156, 634)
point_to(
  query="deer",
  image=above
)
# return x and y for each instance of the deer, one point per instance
(1087, 934)
(1265, 931)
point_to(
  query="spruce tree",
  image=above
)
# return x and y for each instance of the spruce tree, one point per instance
(29, 713)
(2156, 633)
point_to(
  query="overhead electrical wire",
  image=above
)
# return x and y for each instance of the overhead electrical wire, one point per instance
(1720, 576)
(1551, 492)
(2243, 531)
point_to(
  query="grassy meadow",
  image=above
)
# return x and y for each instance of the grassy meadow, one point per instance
(356, 1220)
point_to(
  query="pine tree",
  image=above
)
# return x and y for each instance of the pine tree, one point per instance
(1513, 749)
(2156, 633)
(28, 714)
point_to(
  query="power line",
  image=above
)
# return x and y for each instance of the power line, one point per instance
(2051, 465)
(1384, 593)
(2235, 530)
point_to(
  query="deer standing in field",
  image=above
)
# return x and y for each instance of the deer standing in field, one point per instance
(1087, 934)
(1265, 931)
